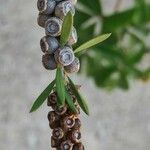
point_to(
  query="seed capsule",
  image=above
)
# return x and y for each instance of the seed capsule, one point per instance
(58, 133)
(66, 145)
(42, 18)
(73, 67)
(78, 146)
(68, 123)
(46, 6)
(49, 44)
(64, 56)
(53, 26)
(75, 136)
(63, 8)
(77, 124)
(54, 142)
(49, 62)
(73, 37)
(53, 117)
(60, 110)
(52, 99)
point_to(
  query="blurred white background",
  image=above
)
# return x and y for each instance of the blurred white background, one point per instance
(119, 120)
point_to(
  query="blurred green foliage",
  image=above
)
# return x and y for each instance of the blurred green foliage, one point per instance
(117, 60)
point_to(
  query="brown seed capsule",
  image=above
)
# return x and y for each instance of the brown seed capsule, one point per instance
(64, 56)
(66, 145)
(54, 142)
(77, 124)
(75, 136)
(60, 110)
(67, 123)
(73, 67)
(46, 6)
(63, 8)
(53, 26)
(53, 120)
(73, 37)
(53, 117)
(58, 133)
(78, 146)
(42, 18)
(49, 62)
(54, 125)
(49, 44)
(52, 99)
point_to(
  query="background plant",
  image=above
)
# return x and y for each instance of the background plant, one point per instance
(115, 62)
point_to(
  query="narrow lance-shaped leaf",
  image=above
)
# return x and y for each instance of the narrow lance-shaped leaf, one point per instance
(66, 28)
(80, 100)
(40, 100)
(70, 102)
(60, 88)
(92, 42)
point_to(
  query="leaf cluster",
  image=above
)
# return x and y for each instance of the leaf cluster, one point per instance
(116, 61)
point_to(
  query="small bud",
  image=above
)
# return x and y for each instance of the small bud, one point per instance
(75, 136)
(73, 37)
(49, 62)
(53, 26)
(52, 99)
(58, 133)
(78, 146)
(60, 110)
(42, 18)
(64, 56)
(73, 67)
(66, 145)
(46, 6)
(63, 8)
(49, 44)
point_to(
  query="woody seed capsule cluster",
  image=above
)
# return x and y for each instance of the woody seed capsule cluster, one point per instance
(65, 125)
(51, 16)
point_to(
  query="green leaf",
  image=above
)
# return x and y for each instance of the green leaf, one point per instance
(40, 100)
(94, 6)
(60, 88)
(66, 28)
(80, 100)
(70, 102)
(93, 42)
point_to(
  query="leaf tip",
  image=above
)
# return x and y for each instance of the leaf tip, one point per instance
(31, 110)
(108, 35)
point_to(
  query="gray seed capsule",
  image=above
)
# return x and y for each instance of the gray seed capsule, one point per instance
(53, 26)
(73, 67)
(64, 56)
(46, 6)
(49, 44)
(73, 37)
(63, 8)
(49, 62)
(42, 18)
